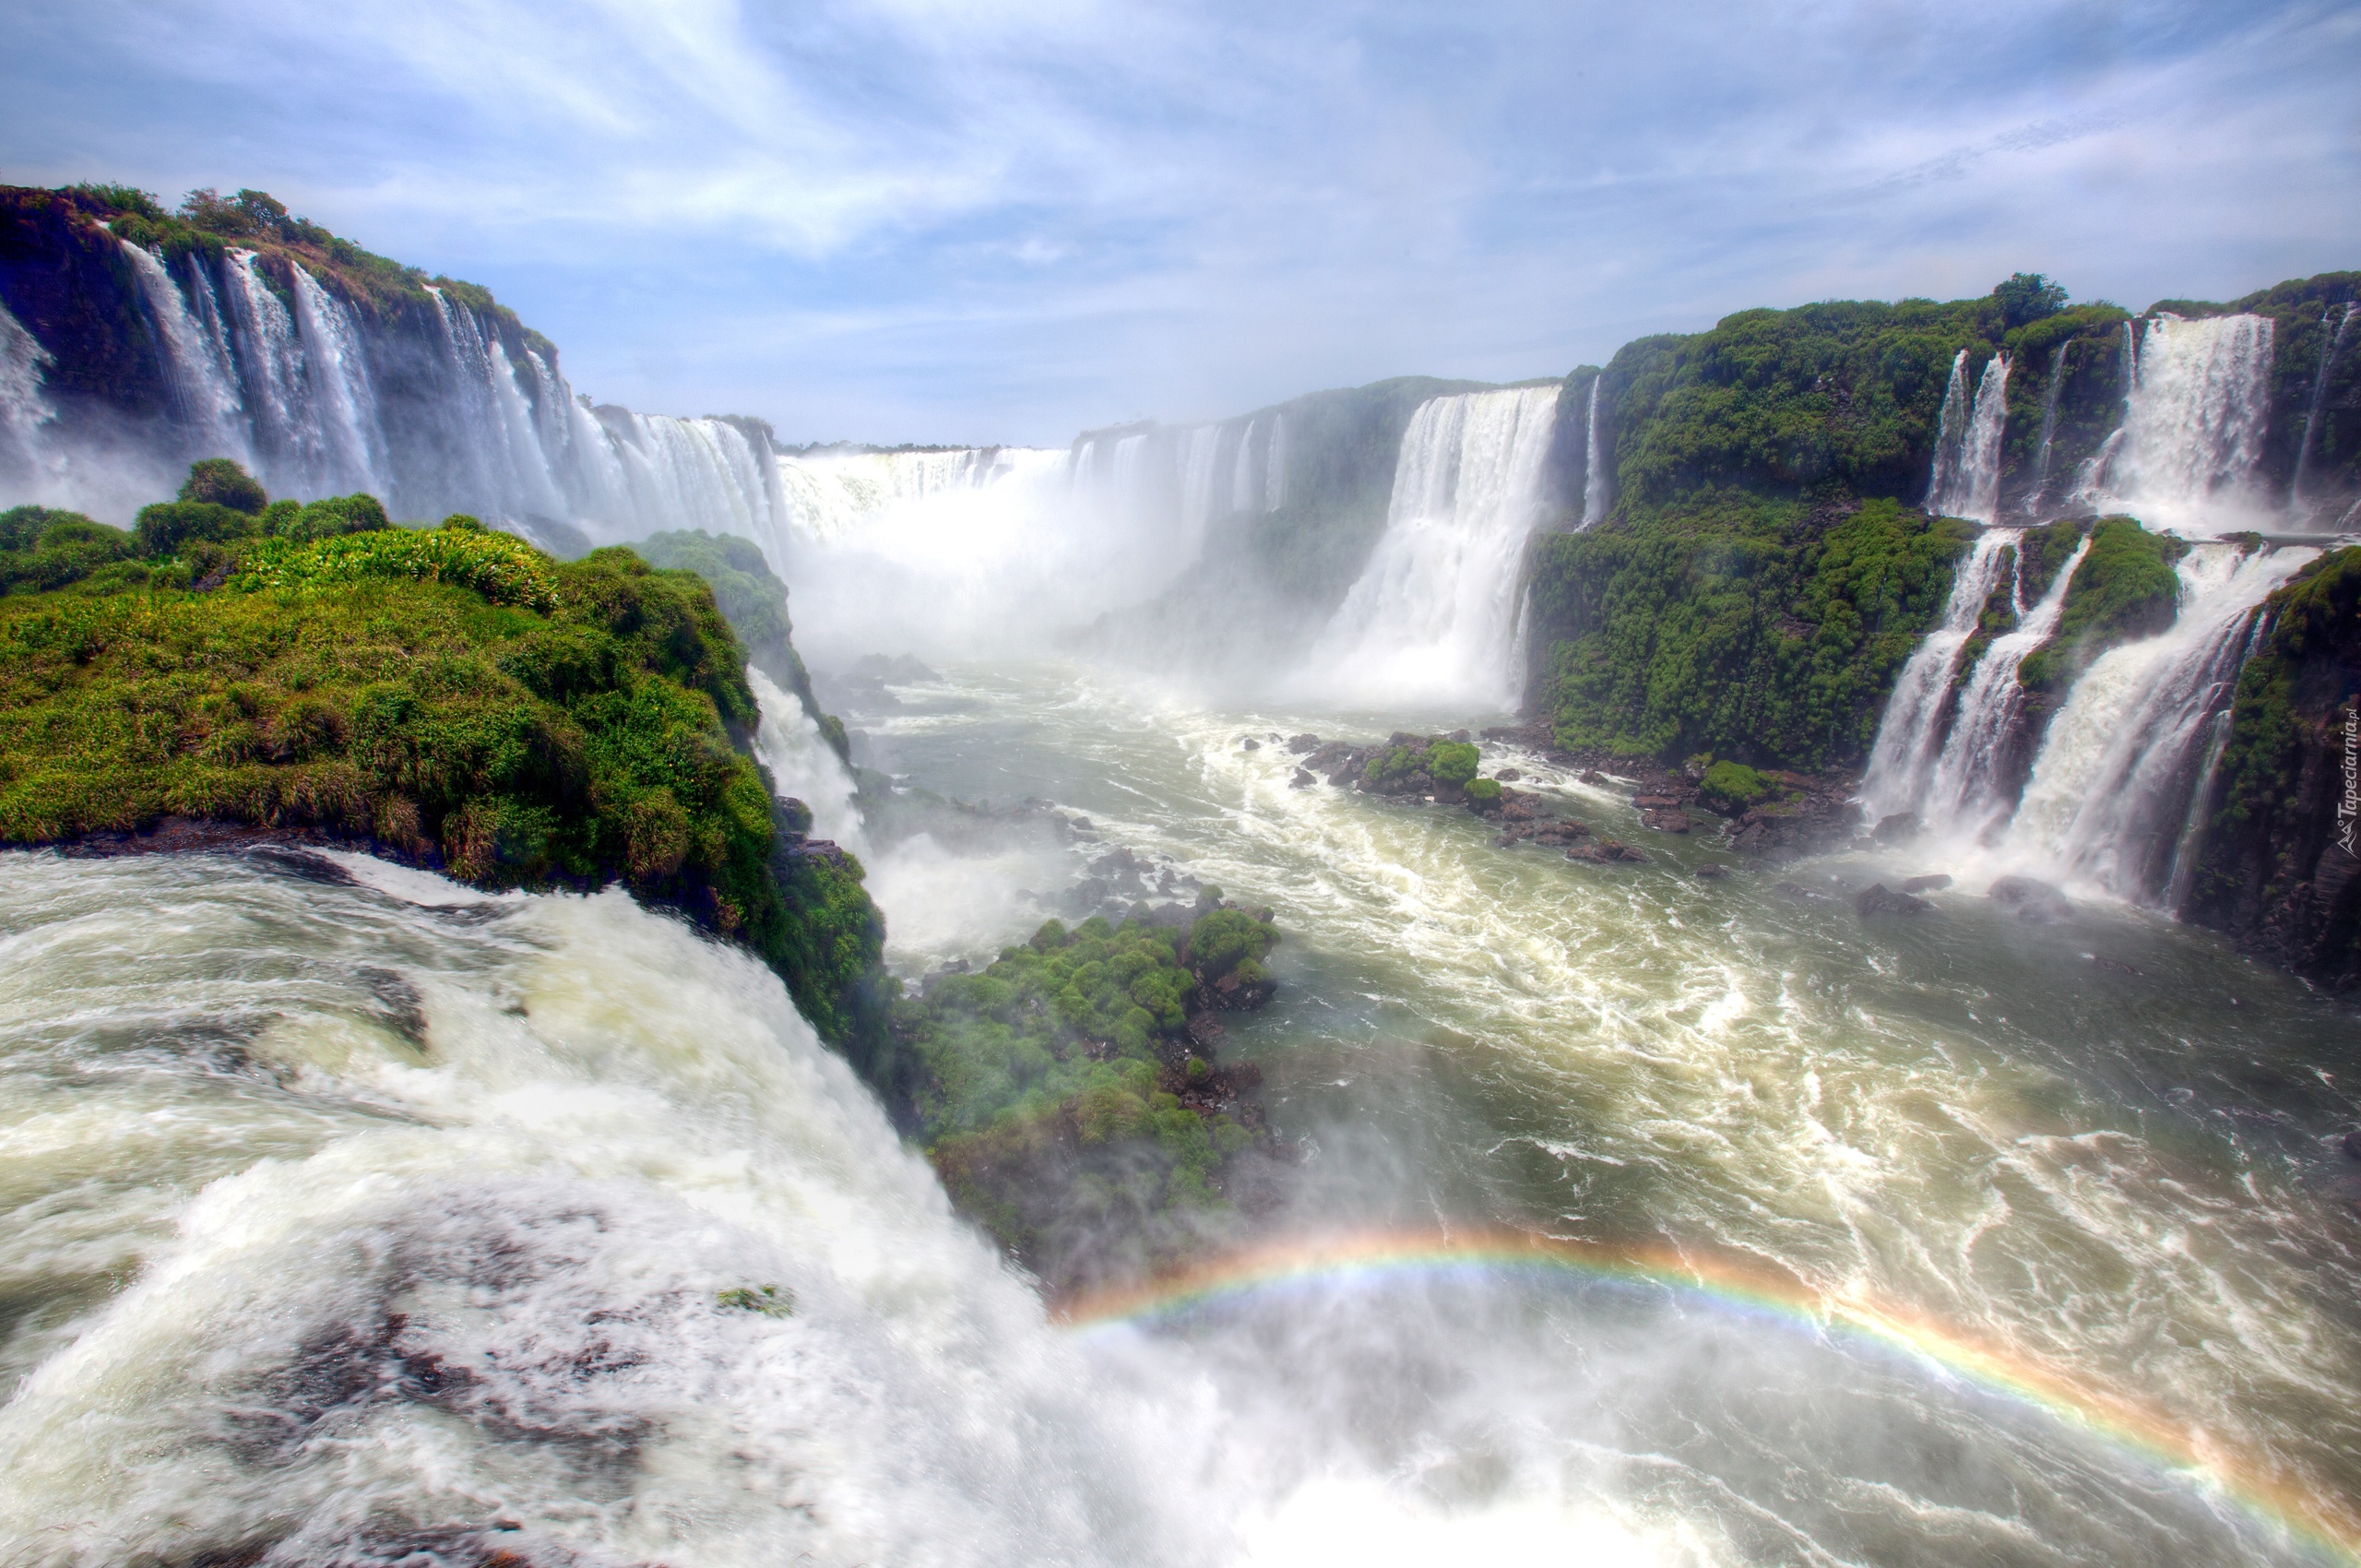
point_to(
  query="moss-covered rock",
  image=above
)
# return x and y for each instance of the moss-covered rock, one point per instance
(2279, 867)
(1065, 1100)
(2124, 590)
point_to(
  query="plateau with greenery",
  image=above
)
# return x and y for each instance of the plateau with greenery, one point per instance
(1064, 1096)
(450, 696)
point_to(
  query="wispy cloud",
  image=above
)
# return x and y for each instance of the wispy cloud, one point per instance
(921, 218)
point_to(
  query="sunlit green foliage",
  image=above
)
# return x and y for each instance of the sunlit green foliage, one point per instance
(1738, 624)
(224, 483)
(2028, 296)
(755, 603)
(448, 694)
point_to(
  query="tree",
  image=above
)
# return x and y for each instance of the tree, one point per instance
(2029, 296)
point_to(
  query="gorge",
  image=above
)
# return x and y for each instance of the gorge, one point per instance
(373, 1203)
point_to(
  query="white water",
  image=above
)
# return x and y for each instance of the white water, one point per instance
(2194, 426)
(938, 553)
(805, 767)
(1966, 793)
(1274, 485)
(23, 409)
(1966, 478)
(203, 380)
(1432, 618)
(2112, 786)
(1911, 731)
(1596, 471)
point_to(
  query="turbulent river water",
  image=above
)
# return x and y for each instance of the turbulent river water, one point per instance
(354, 1217)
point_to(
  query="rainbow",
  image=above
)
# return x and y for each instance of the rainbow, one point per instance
(2274, 1499)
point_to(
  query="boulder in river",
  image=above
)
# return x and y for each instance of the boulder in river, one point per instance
(1902, 827)
(1667, 820)
(1933, 884)
(1606, 852)
(1302, 781)
(1711, 871)
(1304, 745)
(2029, 898)
(1877, 898)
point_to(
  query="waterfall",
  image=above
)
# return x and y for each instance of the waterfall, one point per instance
(1594, 470)
(1274, 485)
(1244, 494)
(433, 410)
(1967, 788)
(803, 766)
(196, 359)
(1197, 482)
(2193, 423)
(1911, 731)
(2048, 429)
(23, 409)
(2112, 786)
(1433, 617)
(287, 444)
(2332, 348)
(345, 403)
(1966, 478)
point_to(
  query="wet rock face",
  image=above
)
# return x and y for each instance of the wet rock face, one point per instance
(1877, 899)
(2030, 900)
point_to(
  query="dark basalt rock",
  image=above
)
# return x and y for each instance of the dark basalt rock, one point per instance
(1669, 820)
(1902, 827)
(1606, 851)
(1302, 745)
(1877, 898)
(2115, 966)
(1711, 871)
(1508, 775)
(1302, 781)
(2351, 1145)
(1248, 743)
(2030, 900)
(1933, 884)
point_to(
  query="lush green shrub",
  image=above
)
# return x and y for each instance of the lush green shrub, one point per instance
(2028, 296)
(501, 568)
(169, 527)
(1223, 939)
(1451, 762)
(329, 518)
(1733, 787)
(223, 482)
(1483, 791)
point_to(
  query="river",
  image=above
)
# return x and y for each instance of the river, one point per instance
(1633, 1217)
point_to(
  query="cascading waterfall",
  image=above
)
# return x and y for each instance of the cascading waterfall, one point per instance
(1967, 792)
(23, 410)
(2331, 349)
(1433, 617)
(1966, 478)
(1245, 490)
(203, 380)
(1275, 483)
(1596, 470)
(2193, 425)
(803, 766)
(344, 405)
(2112, 786)
(1911, 731)
(2048, 427)
(432, 409)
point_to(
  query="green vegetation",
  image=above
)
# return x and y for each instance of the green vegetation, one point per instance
(449, 695)
(2028, 297)
(2124, 590)
(1052, 1082)
(2262, 762)
(1742, 625)
(223, 482)
(1483, 792)
(1451, 762)
(1733, 787)
(754, 602)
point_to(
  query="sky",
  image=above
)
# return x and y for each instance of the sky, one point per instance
(922, 220)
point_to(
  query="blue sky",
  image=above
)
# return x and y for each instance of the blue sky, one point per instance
(914, 220)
